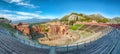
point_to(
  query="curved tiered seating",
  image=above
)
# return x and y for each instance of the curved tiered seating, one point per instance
(9, 45)
(103, 45)
(115, 25)
(108, 44)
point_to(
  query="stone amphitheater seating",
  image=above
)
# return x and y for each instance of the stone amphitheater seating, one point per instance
(105, 45)
(93, 27)
(115, 25)
(85, 26)
(9, 45)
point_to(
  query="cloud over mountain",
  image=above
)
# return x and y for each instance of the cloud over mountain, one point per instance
(18, 15)
(21, 3)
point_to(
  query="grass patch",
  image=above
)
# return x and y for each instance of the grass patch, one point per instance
(76, 26)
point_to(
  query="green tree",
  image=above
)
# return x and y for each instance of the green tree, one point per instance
(2, 18)
(81, 14)
(71, 22)
(74, 13)
(105, 20)
(65, 18)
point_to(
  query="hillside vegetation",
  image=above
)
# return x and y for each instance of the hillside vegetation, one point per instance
(84, 18)
(5, 23)
(7, 26)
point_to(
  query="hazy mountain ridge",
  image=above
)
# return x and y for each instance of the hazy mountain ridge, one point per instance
(115, 20)
(33, 20)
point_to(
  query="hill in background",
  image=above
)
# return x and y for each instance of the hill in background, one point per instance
(85, 18)
(115, 20)
(33, 20)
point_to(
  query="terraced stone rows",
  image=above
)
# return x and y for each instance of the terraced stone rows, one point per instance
(103, 45)
(98, 46)
(83, 27)
(115, 39)
(11, 44)
(108, 45)
(93, 27)
(87, 48)
(82, 50)
(4, 49)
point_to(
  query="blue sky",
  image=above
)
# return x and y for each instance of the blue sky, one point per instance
(42, 9)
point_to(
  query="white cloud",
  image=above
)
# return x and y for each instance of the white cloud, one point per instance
(15, 17)
(24, 13)
(29, 14)
(38, 11)
(8, 16)
(26, 4)
(3, 11)
(17, 1)
(20, 15)
(21, 3)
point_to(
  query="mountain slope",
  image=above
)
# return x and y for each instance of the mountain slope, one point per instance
(83, 17)
(33, 20)
(115, 20)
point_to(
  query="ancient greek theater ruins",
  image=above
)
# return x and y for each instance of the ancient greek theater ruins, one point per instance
(59, 26)
(59, 38)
